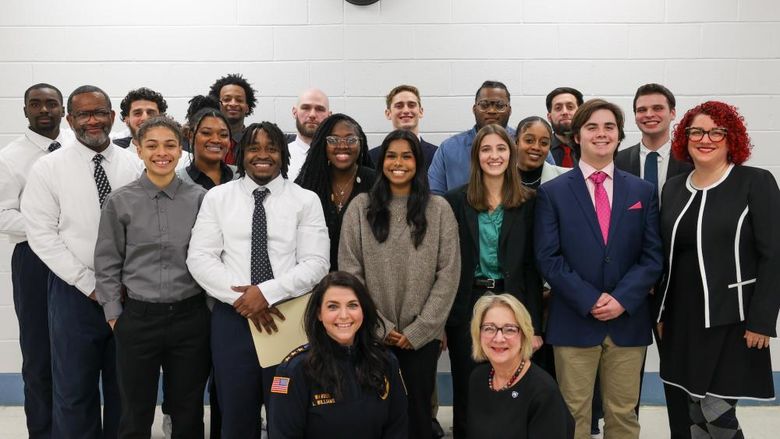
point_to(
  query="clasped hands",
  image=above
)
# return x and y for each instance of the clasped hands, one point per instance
(395, 338)
(607, 308)
(253, 306)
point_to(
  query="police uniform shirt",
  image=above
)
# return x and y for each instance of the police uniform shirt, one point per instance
(301, 408)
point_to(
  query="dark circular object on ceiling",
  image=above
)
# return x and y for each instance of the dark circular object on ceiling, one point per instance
(362, 2)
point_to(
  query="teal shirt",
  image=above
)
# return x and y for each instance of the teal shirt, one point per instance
(489, 225)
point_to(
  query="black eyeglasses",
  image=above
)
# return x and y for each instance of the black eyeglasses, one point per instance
(499, 106)
(715, 134)
(508, 331)
(83, 116)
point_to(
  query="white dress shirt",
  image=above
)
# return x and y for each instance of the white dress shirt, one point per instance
(664, 155)
(298, 151)
(61, 207)
(221, 244)
(16, 159)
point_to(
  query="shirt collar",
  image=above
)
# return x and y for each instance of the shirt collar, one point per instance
(225, 171)
(274, 186)
(152, 191)
(663, 151)
(40, 141)
(87, 153)
(300, 142)
(587, 169)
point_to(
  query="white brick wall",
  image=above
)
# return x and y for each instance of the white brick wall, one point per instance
(701, 49)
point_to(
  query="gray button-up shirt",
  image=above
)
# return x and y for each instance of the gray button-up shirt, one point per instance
(142, 244)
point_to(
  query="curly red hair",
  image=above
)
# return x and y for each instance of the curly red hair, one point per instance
(724, 115)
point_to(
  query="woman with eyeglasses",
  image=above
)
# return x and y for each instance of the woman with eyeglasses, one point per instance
(719, 299)
(401, 241)
(510, 397)
(337, 169)
(495, 215)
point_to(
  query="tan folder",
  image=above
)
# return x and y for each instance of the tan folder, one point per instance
(272, 348)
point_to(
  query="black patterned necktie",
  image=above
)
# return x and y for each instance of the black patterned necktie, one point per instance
(103, 186)
(54, 146)
(261, 266)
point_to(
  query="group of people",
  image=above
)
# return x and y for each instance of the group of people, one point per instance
(159, 250)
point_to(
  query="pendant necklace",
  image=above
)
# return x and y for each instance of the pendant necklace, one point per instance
(511, 379)
(341, 190)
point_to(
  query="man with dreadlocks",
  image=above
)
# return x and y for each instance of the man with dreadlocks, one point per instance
(249, 261)
(237, 99)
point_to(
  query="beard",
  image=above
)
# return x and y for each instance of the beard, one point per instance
(93, 141)
(304, 130)
(562, 128)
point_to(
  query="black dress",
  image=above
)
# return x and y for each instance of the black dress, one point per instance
(697, 359)
(532, 408)
(333, 216)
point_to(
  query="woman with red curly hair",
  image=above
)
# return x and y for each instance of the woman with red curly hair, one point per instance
(719, 299)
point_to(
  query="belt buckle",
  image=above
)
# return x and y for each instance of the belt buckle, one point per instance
(491, 284)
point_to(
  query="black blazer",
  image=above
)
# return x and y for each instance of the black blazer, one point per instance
(740, 246)
(428, 149)
(124, 142)
(515, 254)
(628, 160)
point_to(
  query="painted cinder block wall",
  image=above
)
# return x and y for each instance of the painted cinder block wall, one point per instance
(700, 49)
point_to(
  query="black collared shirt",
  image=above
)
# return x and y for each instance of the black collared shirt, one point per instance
(204, 181)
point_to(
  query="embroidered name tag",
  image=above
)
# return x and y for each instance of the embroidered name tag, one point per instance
(323, 399)
(280, 385)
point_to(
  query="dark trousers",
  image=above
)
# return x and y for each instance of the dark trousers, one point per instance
(82, 353)
(677, 406)
(174, 336)
(30, 276)
(242, 385)
(418, 368)
(461, 366)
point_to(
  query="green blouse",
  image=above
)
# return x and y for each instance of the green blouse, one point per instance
(489, 225)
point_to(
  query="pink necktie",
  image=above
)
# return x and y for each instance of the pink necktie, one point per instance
(602, 202)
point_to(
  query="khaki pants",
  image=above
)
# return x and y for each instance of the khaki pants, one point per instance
(618, 369)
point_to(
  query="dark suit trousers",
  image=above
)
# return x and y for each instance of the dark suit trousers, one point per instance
(29, 276)
(174, 336)
(242, 385)
(418, 368)
(82, 352)
(461, 366)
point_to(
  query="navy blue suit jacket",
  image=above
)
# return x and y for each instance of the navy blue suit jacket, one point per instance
(573, 258)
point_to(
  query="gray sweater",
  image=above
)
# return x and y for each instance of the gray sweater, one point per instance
(413, 288)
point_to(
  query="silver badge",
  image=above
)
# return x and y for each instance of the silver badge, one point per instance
(515, 394)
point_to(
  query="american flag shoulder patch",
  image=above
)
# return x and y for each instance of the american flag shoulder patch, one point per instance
(280, 385)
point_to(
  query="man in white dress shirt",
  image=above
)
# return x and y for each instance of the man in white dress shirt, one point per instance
(43, 110)
(309, 112)
(61, 204)
(258, 240)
